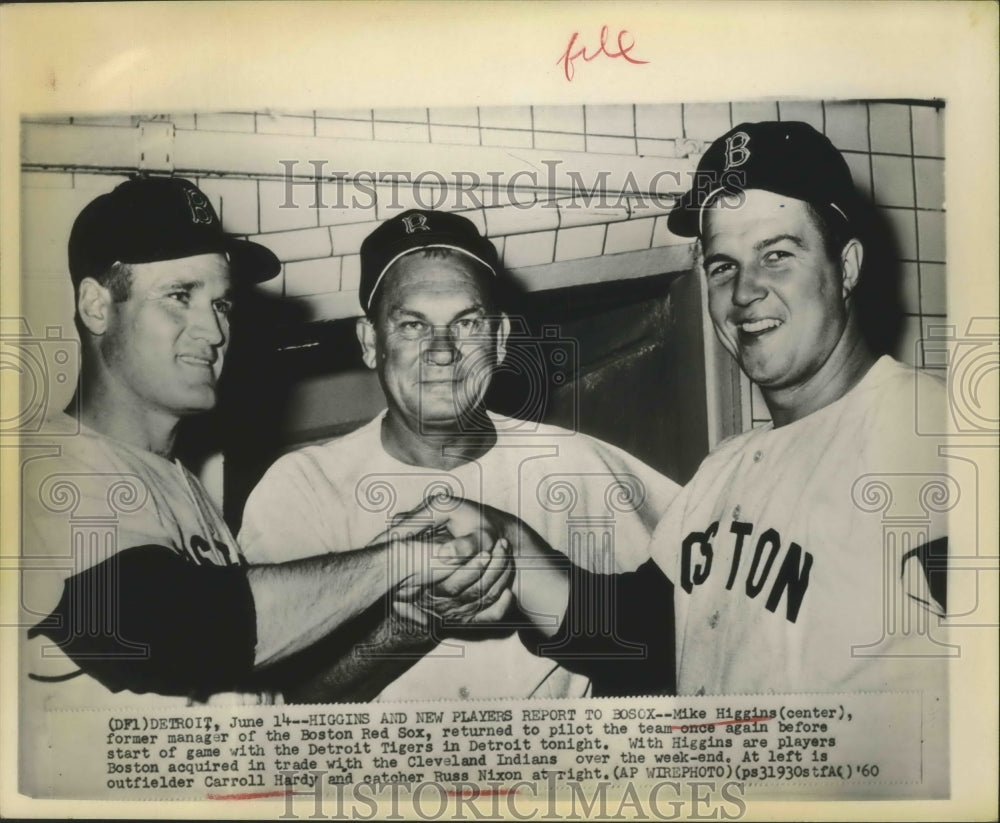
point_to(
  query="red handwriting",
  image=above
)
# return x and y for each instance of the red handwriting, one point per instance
(723, 722)
(568, 56)
(248, 795)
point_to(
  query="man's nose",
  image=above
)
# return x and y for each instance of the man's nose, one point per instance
(206, 324)
(750, 285)
(442, 348)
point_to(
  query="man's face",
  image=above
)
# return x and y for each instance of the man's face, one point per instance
(433, 340)
(777, 301)
(165, 344)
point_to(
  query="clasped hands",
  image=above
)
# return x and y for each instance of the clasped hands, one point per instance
(459, 563)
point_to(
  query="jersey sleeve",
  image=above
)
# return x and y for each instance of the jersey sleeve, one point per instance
(618, 630)
(147, 620)
(292, 513)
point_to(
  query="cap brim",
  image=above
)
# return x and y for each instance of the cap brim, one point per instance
(251, 262)
(683, 218)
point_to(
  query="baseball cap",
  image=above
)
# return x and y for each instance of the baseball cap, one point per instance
(149, 219)
(418, 229)
(787, 158)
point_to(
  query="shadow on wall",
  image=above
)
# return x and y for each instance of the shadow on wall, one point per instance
(878, 296)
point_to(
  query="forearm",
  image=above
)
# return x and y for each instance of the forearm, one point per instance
(301, 601)
(617, 629)
(357, 661)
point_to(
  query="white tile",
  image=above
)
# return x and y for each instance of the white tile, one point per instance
(574, 212)
(614, 121)
(98, 183)
(662, 236)
(514, 220)
(235, 202)
(904, 228)
(347, 239)
(297, 245)
(507, 137)
(346, 129)
(706, 121)
(928, 130)
(648, 147)
(847, 126)
(659, 121)
(579, 242)
(861, 173)
(632, 235)
(890, 127)
(930, 183)
(412, 115)
(930, 226)
(225, 122)
(46, 180)
(559, 141)
(455, 135)
(559, 118)
(284, 124)
(505, 117)
(754, 112)
(402, 132)
(350, 273)
(802, 111)
(529, 249)
(892, 180)
(283, 208)
(908, 346)
(933, 288)
(610, 145)
(346, 201)
(455, 116)
(345, 114)
(312, 276)
(909, 287)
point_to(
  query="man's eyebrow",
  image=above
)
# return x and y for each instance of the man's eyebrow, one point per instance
(401, 311)
(778, 238)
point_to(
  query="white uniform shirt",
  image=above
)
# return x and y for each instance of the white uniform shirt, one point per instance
(572, 489)
(790, 548)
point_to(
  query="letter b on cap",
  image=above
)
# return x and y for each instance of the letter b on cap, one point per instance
(737, 152)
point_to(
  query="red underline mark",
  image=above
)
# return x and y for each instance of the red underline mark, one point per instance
(724, 722)
(481, 793)
(248, 795)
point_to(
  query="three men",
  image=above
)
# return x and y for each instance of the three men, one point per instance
(435, 331)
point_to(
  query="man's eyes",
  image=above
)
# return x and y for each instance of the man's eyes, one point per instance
(777, 256)
(719, 269)
(462, 327)
(223, 306)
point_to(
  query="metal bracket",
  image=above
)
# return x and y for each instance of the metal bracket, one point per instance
(156, 145)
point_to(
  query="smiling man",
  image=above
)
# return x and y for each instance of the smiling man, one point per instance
(788, 578)
(435, 332)
(135, 592)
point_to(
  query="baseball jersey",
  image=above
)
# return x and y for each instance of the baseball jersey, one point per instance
(810, 557)
(575, 491)
(86, 497)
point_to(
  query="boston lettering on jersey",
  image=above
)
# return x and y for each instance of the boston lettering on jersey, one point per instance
(767, 562)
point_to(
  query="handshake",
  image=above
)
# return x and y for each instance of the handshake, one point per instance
(459, 564)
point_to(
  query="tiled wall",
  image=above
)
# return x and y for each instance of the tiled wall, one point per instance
(894, 150)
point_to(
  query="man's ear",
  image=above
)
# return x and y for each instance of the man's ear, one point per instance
(366, 337)
(93, 304)
(503, 332)
(851, 257)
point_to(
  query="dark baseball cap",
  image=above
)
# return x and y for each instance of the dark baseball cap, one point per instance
(417, 229)
(787, 158)
(149, 219)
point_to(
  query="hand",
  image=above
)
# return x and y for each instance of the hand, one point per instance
(477, 592)
(426, 550)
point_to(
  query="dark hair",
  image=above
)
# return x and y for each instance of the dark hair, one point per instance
(488, 281)
(833, 228)
(117, 279)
